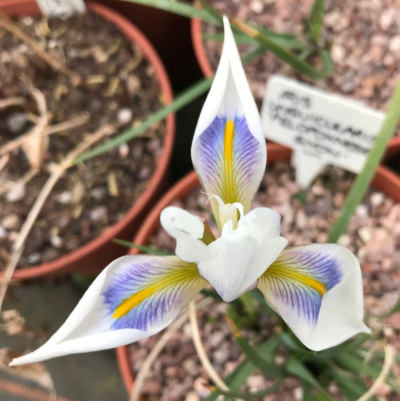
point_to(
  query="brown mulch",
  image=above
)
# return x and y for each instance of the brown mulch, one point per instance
(373, 235)
(363, 37)
(119, 87)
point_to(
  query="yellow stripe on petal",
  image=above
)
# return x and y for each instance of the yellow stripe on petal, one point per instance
(230, 193)
(170, 281)
(128, 304)
(278, 270)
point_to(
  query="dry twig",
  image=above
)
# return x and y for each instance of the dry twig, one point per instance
(201, 351)
(35, 145)
(387, 364)
(144, 370)
(7, 24)
(55, 175)
(65, 125)
(11, 101)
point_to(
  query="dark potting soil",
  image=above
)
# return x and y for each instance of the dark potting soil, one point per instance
(118, 87)
(373, 235)
(363, 38)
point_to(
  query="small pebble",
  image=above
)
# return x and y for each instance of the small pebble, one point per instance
(65, 197)
(10, 222)
(16, 193)
(16, 122)
(99, 213)
(124, 116)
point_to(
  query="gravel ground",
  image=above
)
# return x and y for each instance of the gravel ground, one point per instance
(373, 235)
(363, 36)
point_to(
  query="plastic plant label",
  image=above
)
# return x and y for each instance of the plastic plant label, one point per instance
(321, 128)
(61, 8)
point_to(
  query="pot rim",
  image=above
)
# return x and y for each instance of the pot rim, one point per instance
(384, 180)
(30, 7)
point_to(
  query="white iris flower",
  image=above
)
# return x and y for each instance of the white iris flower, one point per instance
(316, 289)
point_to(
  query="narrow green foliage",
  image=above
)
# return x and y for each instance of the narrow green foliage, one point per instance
(297, 368)
(307, 391)
(363, 180)
(289, 58)
(314, 22)
(247, 303)
(265, 364)
(182, 100)
(237, 378)
(177, 7)
(350, 386)
(211, 12)
(146, 249)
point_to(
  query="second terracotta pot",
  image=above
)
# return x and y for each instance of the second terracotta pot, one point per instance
(384, 180)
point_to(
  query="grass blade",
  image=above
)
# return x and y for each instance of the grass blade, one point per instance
(237, 378)
(314, 20)
(181, 8)
(266, 366)
(142, 248)
(182, 100)
(289, 58)
(363, 180)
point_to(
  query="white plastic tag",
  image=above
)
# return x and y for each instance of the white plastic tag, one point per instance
(321, 128)
(61, 8)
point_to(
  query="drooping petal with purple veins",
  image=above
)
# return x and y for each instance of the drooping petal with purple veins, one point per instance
(133, 298)
(228, 149)
(317, 290)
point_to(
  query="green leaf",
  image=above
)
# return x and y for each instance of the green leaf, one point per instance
(212, 294)
(247, 303)
(237, 378)
(180, 101)
(297, 368)
(307, 394)
(177, 7)
(351, 388)
(142, 248)
(314, 21)
(286, 41)
(211, 12)
(265, 364)
(363, 180)
(289, 58)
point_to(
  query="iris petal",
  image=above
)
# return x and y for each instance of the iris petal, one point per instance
(228, 149)
(133, 298)
(317, 290)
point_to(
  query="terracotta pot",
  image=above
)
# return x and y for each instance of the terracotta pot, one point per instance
(163, 28)
(384, 180)
(98, 253)
(208, 71)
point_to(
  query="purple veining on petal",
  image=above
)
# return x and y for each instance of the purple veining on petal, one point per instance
(150, 312)
(297, 294)
(247, 156)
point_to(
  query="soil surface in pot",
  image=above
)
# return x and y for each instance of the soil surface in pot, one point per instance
(364, 37)
(118, 88)
(373, 235)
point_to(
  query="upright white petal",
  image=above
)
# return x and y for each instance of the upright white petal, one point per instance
(188, 230)
(237, 259)
(317, 290)
(133, 298)
(228, 149)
